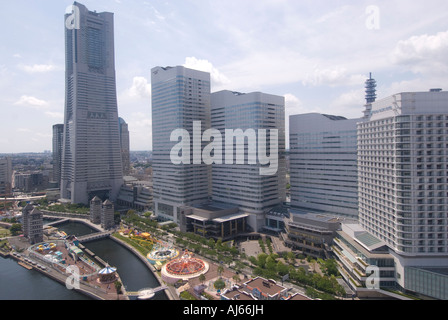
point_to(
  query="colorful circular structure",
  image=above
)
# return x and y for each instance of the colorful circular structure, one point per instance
(162, 253)
(184, 268)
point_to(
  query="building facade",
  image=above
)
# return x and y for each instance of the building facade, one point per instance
(125, 146)
(32, 224)
(323, 164)
(58, 135)
(311, 234)
(95, 210)
(91, 157)
(5, 176)
(180, 97)
(403, 179)
(243, 183)
(107, 215)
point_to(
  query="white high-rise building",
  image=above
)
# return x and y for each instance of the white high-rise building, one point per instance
(323, 164)
(403, 184)
(244, 185)
(91, 159)
(180, 97)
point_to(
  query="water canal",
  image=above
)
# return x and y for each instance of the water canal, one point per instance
(32, 285)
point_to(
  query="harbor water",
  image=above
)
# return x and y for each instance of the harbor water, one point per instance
(18, 283)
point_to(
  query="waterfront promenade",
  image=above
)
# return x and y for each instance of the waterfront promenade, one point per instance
(92, 288)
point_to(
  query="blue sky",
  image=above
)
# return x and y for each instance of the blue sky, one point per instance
(315, 53)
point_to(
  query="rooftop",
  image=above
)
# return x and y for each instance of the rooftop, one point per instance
(267, 287)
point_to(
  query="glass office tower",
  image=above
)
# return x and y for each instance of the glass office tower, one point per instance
(91, 160)
(180, 97)
(245, 185)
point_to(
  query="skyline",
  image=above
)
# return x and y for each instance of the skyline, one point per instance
(278, 47)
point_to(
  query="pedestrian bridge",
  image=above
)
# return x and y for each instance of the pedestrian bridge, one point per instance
(93, 236)
(145, 294)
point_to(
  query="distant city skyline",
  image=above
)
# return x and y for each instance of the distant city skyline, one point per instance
(315, 54)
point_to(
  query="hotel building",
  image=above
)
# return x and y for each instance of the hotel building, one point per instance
(403, 186)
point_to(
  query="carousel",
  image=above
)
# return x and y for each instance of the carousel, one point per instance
(107, 275)
(184, 268)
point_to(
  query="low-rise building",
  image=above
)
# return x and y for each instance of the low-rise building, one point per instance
(264, 289)
(213, 220)
(364, 260)
(309, 233)
(135, 196)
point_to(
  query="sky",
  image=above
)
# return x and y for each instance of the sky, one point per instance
(317, 54)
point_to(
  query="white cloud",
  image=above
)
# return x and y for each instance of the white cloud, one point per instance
(216, 76)
(349, 104)
(424, 53)
(140, 88)
(336, 76)
(37, 68)
(55, 115)
(31, 102)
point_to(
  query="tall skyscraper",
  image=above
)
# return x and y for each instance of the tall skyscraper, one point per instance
(91, 159)
(180, 96)
(323, 164)
(243, 185)
(5, 176)
(403, 183)
(125, 146)
(58, 135)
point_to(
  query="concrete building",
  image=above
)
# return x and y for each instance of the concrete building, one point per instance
(357, 251)
(265, 289)
(309, 233)
(180, 96)
(95, 210)
(91, 158)
(135, 196)
(214, 220)
(244, 183)
(30, 181)
(5, 176)
(403, 183)
(323, 164)
(125, 146)
(58, 135)
(32, 224)
(107, 215)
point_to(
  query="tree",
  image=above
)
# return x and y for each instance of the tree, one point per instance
(16, 229)
(202, 278)
(219, 284)
(220, 270)
(118, 286)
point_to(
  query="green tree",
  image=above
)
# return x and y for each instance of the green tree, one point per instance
(202, 278)
(220, 270)
(118, 286)
(219, 284)
(16, 229)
